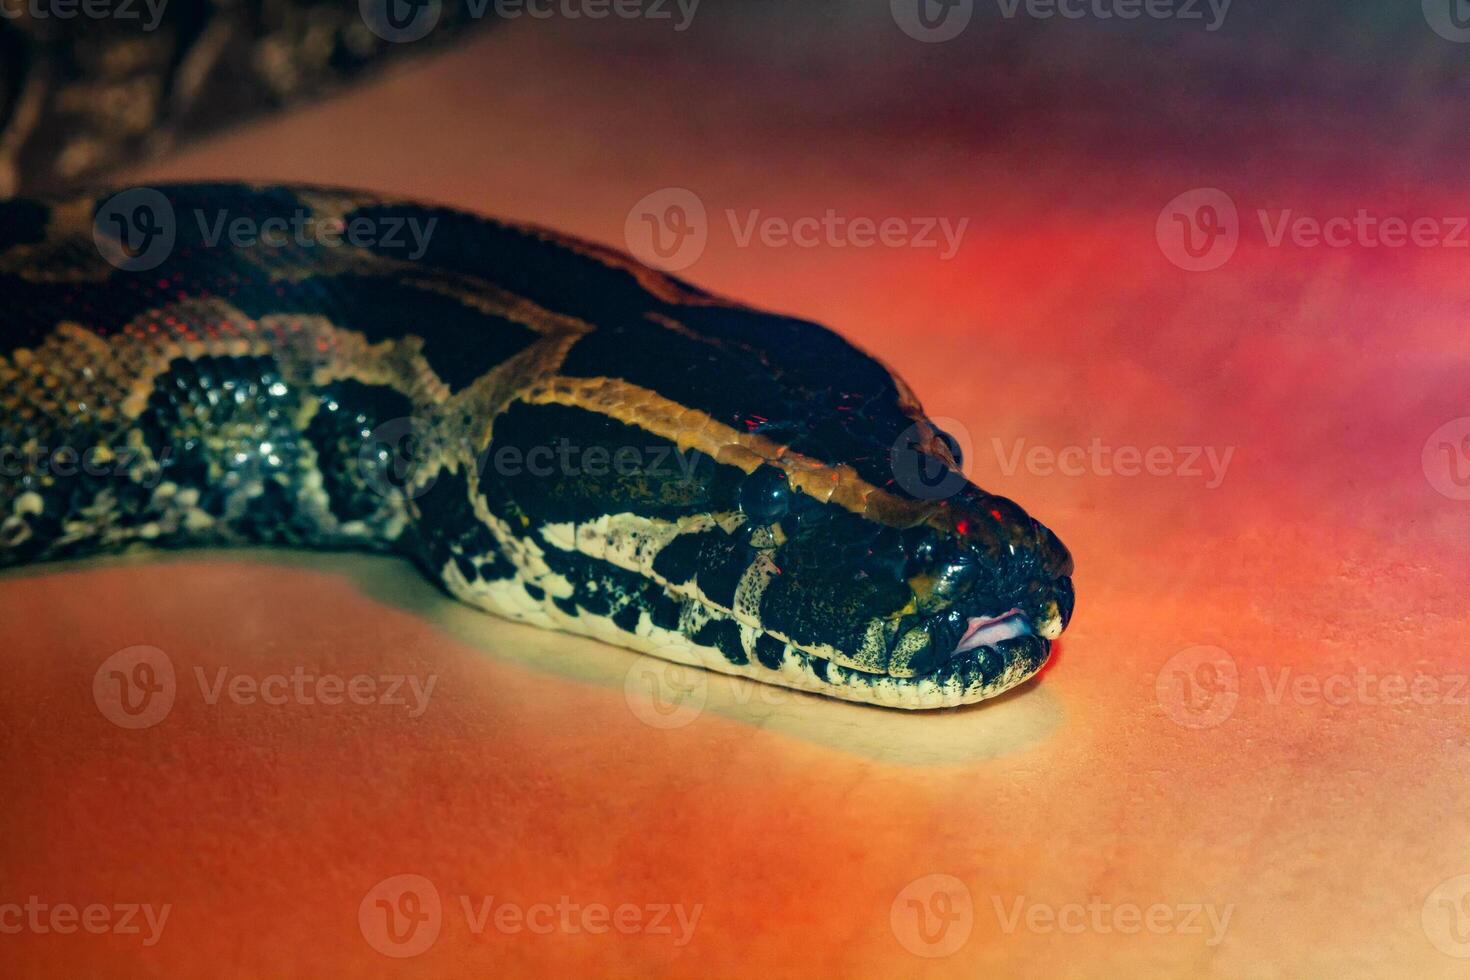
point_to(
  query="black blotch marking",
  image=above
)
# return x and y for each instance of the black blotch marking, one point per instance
(534, 591)
(553, 463)
(449, 529)
(724, 635)
(678, 562)
(567, 606)
(820, 595)
(715, 559)
(769, 651)
(460, 343)
(542, 269)
(627, 618)
(724, 561)
(664, 610)
(759, 372)
(348, 413)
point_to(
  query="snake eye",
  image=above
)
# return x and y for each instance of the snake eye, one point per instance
(956, 576)
(921, 551)
(764, 496)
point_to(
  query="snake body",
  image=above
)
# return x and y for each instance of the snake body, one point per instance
(552, 431)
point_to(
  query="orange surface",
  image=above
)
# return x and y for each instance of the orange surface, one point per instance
(1248, 758)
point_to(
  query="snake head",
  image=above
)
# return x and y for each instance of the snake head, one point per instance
(960, 604)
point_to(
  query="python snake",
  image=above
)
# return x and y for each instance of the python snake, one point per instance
(554, 432)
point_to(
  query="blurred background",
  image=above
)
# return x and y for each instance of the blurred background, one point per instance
(1189, 285)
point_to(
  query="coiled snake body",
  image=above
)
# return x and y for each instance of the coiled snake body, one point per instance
(554, 432)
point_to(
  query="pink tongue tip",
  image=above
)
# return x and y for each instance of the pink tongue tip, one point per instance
(984, 631)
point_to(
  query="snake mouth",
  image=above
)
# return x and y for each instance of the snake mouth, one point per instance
(988, 631)
(988, 649)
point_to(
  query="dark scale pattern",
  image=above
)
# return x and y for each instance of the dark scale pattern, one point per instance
(713, 559)
(769, 651)
(821, 595)
(460, 342)
(449, 530)
(754, 370)
(556, 463)
(723, 635)
(347, 414)
(218, 423)
(606, 590)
